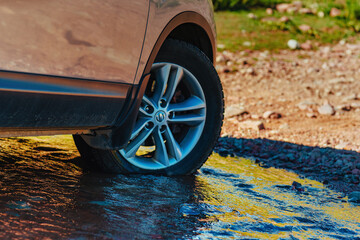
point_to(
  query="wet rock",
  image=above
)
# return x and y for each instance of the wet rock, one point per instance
(355, 171)
(354, 197)
(297, 186)
(326, 109)
(304, 28)
(189, 210)
(256, 125)
(235, 110)
(293, 44)
(271, 115)
(334, 12)
(339, 163)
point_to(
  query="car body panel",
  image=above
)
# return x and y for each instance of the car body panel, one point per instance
(81, 67)
(89, 39)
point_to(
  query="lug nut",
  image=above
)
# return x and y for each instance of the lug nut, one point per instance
(163, 103)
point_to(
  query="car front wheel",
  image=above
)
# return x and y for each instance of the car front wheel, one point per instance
(179, 119)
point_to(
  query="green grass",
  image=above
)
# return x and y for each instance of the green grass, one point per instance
(235, 28)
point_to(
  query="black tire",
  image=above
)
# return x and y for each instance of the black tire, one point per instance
(197, 63)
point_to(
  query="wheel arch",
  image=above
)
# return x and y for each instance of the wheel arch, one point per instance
(189, 27)
(195, 35)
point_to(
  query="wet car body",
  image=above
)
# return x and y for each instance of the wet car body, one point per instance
(81, 67)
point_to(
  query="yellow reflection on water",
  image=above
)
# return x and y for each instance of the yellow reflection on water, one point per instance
(264, 197)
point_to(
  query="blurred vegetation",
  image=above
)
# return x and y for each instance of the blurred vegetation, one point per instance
(244, 4)
(237, 30)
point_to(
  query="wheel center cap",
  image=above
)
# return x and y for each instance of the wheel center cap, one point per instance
(160, 116)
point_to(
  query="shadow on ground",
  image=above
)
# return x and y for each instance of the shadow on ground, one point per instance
(338, 169)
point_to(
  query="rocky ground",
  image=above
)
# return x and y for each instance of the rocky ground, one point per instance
(308, 98)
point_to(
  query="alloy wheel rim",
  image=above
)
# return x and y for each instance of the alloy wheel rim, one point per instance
(171, 119)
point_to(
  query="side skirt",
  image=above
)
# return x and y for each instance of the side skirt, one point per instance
(32, 104)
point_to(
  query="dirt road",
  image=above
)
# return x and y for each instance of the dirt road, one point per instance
(307, 98)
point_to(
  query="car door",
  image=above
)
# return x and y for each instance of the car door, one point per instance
(91, 39)
(67, 63)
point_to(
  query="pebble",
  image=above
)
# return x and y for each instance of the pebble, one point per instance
(221, 46)
(251, 71)
(269, 11)
(246, 44)
(284, 126)
(306, 105)
(342, 42)
(256, 125)
(321, 14)
(334, 12)
(234, 110)
(293, 44)
(284, 19)
(271, 115)
(311, 115)
(345, 107)
(342, 145)
(326, 109)
(220, 59)
(354, 197)
(353, 96)
(282, 7)
(252, 16)
(355, 105)
(305, 11)
(306, 46)
(304, 28)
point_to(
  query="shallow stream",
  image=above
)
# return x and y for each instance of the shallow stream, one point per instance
(43, 194)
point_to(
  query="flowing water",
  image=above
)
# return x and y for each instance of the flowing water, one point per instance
(43, 194)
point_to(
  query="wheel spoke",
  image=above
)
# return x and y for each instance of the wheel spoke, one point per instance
(162, 76)
(135, 144)
(173, 146)
(192, 103)
(174, 79)
(148, 101)
(161, 154)
(188, 119)
(139, 126)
